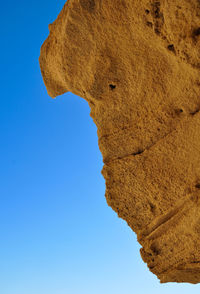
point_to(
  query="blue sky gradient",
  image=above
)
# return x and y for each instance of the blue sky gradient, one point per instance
(57, 234)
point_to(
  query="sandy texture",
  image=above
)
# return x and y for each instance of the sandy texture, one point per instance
(137, 63)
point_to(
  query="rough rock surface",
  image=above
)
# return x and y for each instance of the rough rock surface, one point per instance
(137, 63)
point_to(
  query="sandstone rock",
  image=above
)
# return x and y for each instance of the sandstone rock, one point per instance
(137, 63)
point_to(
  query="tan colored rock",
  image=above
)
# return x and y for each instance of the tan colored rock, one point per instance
(137, 63)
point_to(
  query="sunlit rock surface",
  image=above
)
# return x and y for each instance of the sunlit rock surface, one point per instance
(137, 63)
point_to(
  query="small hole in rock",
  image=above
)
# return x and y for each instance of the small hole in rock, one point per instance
(155, 250)
(171, 47)
(152, 207)
(157, 31)
(147, 11)
(149, 24)
(197, 186)
(196, 32)
(178, 111)
(112, 87)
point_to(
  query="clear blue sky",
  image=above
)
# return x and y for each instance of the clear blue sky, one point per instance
(57, 234)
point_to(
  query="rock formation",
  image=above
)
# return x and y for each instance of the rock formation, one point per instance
(137, 63)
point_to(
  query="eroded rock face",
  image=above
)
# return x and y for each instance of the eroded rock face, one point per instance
(137, 63)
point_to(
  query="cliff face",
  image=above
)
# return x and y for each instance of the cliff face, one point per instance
(137, 63)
